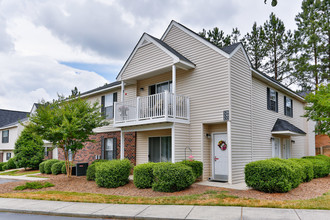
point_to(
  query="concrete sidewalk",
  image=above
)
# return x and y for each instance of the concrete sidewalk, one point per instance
(99, 210)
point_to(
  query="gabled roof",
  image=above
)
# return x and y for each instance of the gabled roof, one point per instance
(146, 38)
(286, 128)
(101, 89)
(229, 49)
(9, 116)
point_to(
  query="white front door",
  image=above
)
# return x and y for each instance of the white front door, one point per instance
(276, 148)
(286, 149)
(220, 157)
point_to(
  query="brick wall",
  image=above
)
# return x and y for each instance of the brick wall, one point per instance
(50, 155)
(322, 144)
(92, 149)
(1, 157)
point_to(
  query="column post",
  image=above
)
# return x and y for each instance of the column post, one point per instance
(122, 145)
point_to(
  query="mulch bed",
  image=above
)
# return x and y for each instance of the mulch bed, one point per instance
(309, 190)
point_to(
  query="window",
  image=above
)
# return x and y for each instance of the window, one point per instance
(109, 148)
(5, 136)
(160, 149)
(107, 102)
(46, 152)
(288, 106)
(272, 100)
(160, 87)
(8, 156)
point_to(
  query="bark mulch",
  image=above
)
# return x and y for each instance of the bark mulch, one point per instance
(309, 190)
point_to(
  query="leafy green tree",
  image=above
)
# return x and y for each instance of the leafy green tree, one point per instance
(279, 50)
(29, 150)
(254, 43)
(217, 37)
(67, 123)
(318, 109)
(312, 39)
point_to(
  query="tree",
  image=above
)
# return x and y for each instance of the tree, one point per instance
(279, 50)
(217, 37)
(274, 2)
(312, 52)
(235, 34)
(67, 123)
(319, 109)
(255, 46)
(29, 150)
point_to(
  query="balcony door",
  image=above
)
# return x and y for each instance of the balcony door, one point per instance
(160, 87)
(160, 149)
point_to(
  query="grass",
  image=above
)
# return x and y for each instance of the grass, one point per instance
(209, 198)
(38, 176)
(14, 173)
(34, 185)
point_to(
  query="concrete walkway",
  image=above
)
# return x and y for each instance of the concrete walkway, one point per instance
(239, 186)
(23, 177)
(99, 210)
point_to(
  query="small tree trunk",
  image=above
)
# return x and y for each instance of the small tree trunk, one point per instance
(315, 69)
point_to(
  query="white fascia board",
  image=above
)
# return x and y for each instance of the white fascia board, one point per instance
(9, 127)
(279, 86)
(207, 43)
(289, 133)
(244, 52)
(100, 91)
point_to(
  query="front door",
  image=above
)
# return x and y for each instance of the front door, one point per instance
(220, 157)
(286, 148)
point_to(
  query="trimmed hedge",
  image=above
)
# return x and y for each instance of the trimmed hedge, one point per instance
(169, 177)
(297, 177)
(2, 164)
(269, 175)
(320, 166)
(57, 167)
(48, 165)
(197, 167)
(143, 175)
(42, 167)
(10, 164)
(90, 174)
(307, 168)
(113, 173)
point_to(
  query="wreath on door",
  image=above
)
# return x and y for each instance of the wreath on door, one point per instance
(222, 145)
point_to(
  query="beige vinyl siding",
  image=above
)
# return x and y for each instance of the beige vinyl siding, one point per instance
(142, 142)
(241, 123)
(206, 85)
(264, 120)
(207, 146)
(147, 58)
(181, 141)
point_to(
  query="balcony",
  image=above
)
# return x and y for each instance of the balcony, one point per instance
(161, 107)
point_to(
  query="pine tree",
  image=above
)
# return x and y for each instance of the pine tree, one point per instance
(217, 37)
(235, 34)
(254, 44)
(279, 50)
(312, 44)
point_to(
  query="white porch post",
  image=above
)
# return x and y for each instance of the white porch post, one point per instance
(173, 142)
(174, 79)
(122, 91)
(122, 144)
(230, 178)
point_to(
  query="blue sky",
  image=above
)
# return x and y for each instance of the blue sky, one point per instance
(49, 47)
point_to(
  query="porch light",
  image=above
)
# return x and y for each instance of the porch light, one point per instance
(271, 139)
(208, 135)
(141, 89)
(292, 141)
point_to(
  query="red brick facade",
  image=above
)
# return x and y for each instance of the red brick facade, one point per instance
(1, 157)
(92, 150)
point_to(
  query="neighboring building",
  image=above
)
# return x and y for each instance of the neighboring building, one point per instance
(11, 129)
(322, 144)
(181, 95)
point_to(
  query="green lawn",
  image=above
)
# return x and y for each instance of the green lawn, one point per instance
(14, 173)
(210, 198)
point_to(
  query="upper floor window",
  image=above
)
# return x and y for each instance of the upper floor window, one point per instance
(160, 87)
(288, 106)
(5, 136)
(107, 102)
(272, 100)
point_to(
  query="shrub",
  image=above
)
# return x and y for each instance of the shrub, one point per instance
(2, 164)
(57, 167)
(325, 158)
(49, 164)
(113, 173)
(320, 167)
(63, 169)
(171, 177)
(90, 174)
(143, 175)
(42, 167)
(307, 168)
(197, 167)
(296, 177)
(34, 185)
(10, 164)
(269, 176)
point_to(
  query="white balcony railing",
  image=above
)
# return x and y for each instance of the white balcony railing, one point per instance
(161, 107)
